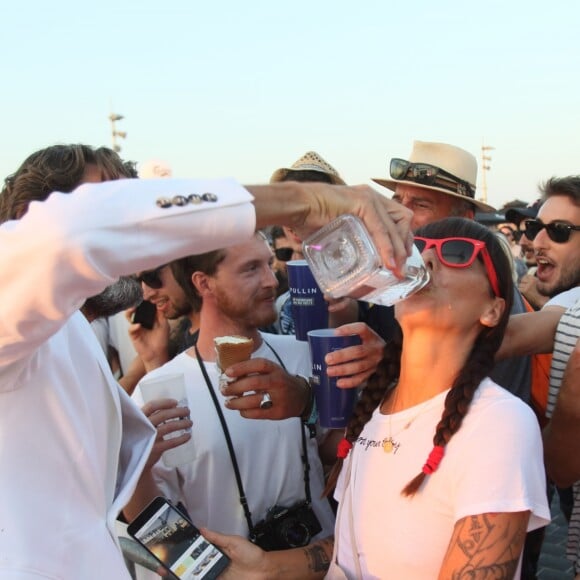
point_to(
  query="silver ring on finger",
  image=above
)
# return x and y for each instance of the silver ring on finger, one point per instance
(266, 402)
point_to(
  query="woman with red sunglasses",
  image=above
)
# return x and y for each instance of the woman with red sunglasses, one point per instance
(440, 473)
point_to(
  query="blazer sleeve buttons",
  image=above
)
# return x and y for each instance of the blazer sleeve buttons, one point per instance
(181, 200)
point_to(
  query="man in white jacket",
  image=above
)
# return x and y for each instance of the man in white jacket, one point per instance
(72, 444)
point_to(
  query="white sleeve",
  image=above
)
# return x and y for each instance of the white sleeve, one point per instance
(502, 469)
(565, 299)
(72, 246)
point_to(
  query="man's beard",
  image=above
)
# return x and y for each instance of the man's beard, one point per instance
(569, 278)
(246, 312)
(124, 293)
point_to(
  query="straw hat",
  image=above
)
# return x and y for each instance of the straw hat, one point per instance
(454, 160)
(310, 161)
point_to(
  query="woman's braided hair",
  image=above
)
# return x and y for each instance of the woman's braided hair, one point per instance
(478, 365)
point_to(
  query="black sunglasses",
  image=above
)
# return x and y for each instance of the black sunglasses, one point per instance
(559, 233)
(426, 174)
(283, 254)
(151, 278)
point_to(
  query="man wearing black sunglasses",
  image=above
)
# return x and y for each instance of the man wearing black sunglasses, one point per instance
(556, 238)
(310, 168)
(285, 248)
(157, 345)
(555, 233)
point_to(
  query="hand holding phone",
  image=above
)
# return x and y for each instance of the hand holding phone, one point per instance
(170, 536)
(145, 314)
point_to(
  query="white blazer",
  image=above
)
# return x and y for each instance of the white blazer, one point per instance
(72, 443)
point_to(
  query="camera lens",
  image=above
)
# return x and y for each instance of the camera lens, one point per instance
(296, 534)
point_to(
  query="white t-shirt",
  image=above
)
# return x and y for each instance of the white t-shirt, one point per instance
(565, 299)
(492, 464)
(268, 452)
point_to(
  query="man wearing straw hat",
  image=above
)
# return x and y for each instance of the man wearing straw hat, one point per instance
(311, 167)
(438, 181)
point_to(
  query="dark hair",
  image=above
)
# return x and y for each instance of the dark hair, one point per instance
(184, 268)
(208, 263)
(57, 168)
(478, 365)
(568, 186)
(277, 232)
(461, 207)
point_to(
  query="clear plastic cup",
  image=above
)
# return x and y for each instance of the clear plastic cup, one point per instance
(170, 386)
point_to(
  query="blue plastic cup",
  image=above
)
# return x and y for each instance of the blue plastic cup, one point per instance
(334, 405)
(309, 308)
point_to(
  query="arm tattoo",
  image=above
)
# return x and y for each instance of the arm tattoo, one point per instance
(318, 555)
(491, 546)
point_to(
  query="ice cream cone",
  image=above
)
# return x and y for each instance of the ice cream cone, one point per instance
(232, 349)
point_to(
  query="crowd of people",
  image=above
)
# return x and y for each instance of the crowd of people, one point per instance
(468, 412)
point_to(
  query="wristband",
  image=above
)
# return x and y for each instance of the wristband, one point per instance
(309, 414)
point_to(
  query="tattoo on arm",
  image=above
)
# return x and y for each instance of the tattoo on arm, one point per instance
(318, 555)
(489, 545)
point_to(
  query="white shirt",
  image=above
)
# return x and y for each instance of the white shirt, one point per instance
(565, 299)
(268, 452)
(399, 537)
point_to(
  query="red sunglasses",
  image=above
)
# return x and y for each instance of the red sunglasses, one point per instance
(461, 253)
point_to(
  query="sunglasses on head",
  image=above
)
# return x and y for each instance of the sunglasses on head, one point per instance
(559, 233)
(461, 253)
(283, 254)
(151, 278)
(425, 174)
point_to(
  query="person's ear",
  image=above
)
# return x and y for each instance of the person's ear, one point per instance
(202, 283)
(493, 312)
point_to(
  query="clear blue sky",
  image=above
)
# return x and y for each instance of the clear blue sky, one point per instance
(244, 87)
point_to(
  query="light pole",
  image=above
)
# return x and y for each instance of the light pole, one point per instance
(114, 117)
(485, 167)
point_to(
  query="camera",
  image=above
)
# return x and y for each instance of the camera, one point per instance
(285, 528)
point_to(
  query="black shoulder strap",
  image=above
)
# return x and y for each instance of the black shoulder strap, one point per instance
(243, 498)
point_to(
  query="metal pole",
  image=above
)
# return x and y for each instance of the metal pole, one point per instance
(114, 117)
(485, 167)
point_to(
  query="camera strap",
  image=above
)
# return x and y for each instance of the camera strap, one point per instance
(304, 457)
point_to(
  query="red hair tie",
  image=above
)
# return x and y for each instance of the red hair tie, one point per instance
(343, 448)
(434, 459)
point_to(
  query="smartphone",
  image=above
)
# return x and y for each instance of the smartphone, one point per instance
(145, 314)
(170, 536)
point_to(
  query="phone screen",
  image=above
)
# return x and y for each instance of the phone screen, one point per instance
(172, 538)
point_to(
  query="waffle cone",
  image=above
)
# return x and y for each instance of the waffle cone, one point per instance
(233, 351)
